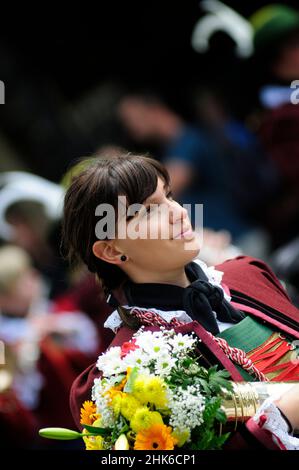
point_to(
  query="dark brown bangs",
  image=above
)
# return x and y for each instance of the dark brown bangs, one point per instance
(135, 177)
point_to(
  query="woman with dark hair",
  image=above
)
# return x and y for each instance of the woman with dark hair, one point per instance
(239, 310)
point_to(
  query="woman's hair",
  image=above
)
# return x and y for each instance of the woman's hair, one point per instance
(104, 179)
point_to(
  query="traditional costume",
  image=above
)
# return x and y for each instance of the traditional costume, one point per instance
(242, 315)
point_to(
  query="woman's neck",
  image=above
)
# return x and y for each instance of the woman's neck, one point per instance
(176, 278)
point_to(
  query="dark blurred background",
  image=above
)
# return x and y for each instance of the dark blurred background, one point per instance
(62, 67)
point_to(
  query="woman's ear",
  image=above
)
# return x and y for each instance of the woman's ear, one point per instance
(106, 251)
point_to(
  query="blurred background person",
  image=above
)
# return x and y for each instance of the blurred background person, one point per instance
(30, 209)
(18, 426)
(50, 345)
(276, 60)
(30, 214)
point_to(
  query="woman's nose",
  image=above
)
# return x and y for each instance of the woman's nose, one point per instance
(177, 212)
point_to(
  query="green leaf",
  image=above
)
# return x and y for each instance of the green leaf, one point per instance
(132, 377)
(117, 380)
(221, 416)
(98, 431)
(218, 379)
(203, 383)
(62, 434)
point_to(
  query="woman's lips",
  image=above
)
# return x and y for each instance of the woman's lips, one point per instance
(187, 234)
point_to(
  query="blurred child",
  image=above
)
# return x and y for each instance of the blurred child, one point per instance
(50, 345)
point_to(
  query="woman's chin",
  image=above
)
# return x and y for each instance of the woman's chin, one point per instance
(189, 237)
(188, 246)
(189, 249)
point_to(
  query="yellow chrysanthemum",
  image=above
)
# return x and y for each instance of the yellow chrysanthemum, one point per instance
(144, 419)
(116, 405)
(113, 392)
(128, 406)
(150, 389)
(88, 413)
(157, 437)
(93, 442)
(181, 436)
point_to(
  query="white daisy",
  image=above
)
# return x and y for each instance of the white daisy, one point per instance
(110, 363)
(163, 365)
(182, 343)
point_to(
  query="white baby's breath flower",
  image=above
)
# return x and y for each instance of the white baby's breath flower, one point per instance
(187, 406)
(100, 387)
(106, 412)
(101, 399)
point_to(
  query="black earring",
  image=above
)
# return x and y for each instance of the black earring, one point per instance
(123, 258)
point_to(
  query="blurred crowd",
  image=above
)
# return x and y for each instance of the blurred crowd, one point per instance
(245, 172)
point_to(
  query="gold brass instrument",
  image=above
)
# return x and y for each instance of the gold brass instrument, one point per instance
(245, 399)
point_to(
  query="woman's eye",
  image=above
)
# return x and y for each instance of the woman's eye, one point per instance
(147, 210)
(130, 217)
(151, 209)
(141, 212)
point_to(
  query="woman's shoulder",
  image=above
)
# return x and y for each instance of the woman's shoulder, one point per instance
(242, 268)
(254, 278)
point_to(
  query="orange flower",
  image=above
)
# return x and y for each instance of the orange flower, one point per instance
(88, 413)
(157, 437)
(120, 386)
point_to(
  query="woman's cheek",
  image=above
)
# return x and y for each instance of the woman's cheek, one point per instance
(152, 229)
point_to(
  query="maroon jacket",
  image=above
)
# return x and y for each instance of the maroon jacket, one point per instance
(255, 288)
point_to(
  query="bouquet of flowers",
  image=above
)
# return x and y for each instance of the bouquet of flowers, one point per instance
(153, 395)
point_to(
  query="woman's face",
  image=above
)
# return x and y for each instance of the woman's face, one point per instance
(163, 238)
